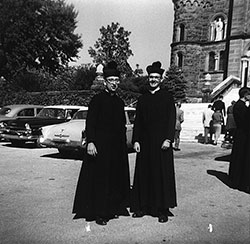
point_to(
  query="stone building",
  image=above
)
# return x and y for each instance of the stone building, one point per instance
(211, 38)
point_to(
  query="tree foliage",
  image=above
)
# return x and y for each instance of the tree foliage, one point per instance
(113, 45)
(175, 82)
(36, 34)
(84, 77)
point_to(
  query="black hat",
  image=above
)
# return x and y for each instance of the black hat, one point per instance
(155, 68)
(111, 70)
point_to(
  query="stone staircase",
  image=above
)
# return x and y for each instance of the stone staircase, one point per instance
(230, 96)
(192, 127)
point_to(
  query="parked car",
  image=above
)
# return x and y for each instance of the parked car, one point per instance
(19, 111)
(12, 112)
(21, 130)
(70, 136)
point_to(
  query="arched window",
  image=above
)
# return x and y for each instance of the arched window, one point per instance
(182, 32)
(218, 28)
(211, 62)
(222, 60)
(179, 60)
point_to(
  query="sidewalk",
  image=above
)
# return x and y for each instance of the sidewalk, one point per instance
(38, 187)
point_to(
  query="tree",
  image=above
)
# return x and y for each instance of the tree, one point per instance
(113, 45)
(84, 77)
(36, 34)
(175, 82)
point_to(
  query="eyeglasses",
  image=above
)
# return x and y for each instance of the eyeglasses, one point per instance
(113, 80)
(154, 77)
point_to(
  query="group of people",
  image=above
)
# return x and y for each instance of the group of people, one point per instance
(103, 190)
(237, 132)
(214, 122)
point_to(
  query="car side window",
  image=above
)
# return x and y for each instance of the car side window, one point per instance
(38, 110)
(72, 112)
(26, 112)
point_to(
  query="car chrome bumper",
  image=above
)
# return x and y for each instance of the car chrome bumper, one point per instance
(19, 137)
(61, 144)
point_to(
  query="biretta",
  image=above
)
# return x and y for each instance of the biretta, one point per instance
(155, 68)
(111, 70)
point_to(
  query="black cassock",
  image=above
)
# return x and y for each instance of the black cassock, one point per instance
(103, 184)
(239, 165)
(154, 186)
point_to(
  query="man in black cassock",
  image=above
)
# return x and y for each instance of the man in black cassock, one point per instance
(239, 165)
(154, 190)
(103, 187)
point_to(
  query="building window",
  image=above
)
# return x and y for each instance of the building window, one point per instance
(180, 36)
(179, 60)
(222, 60)
(211, 61)
(218, 29)
(182, 32)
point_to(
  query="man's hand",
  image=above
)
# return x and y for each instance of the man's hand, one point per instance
(137, 147)
(91, 149)
(165, 145)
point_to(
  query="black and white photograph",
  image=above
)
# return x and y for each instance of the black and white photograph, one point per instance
(124, 121)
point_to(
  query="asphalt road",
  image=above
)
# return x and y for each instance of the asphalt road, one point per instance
(37, 189)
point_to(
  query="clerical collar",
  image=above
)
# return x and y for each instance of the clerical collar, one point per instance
(110, 93)
(155, 90)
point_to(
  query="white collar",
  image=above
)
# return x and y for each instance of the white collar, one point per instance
(155, 90)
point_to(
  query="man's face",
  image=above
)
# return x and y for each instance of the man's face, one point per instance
(247, 96)
(111, 83)
(154, 80)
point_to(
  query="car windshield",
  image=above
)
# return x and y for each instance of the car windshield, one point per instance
(52, 113)
(5, 111)
(80, 115)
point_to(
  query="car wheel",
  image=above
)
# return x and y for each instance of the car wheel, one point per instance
(38, 145)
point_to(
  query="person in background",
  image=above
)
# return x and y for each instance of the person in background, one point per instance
(179, 121)
(219, 105)
(154, 189)
(239, 163)
(230, 123)
(206, 120)
(217, 119)
(103, 186)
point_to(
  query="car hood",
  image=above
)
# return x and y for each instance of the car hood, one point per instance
(72, 129)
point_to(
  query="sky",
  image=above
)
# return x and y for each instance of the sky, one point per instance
(149, 21)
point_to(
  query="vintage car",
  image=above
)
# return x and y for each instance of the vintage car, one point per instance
(70, 136)
(12, 112)
(19, 111)
(21, 130)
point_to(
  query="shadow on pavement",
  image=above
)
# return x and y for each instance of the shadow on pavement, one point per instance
(222, 176)
(225, 158)
(75, 156)
(29, 145)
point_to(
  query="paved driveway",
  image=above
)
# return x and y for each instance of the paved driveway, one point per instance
(37, 190)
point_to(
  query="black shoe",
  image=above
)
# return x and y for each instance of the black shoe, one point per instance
(163, 219)
(177, 149)
(101, 221)
(138, 214)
